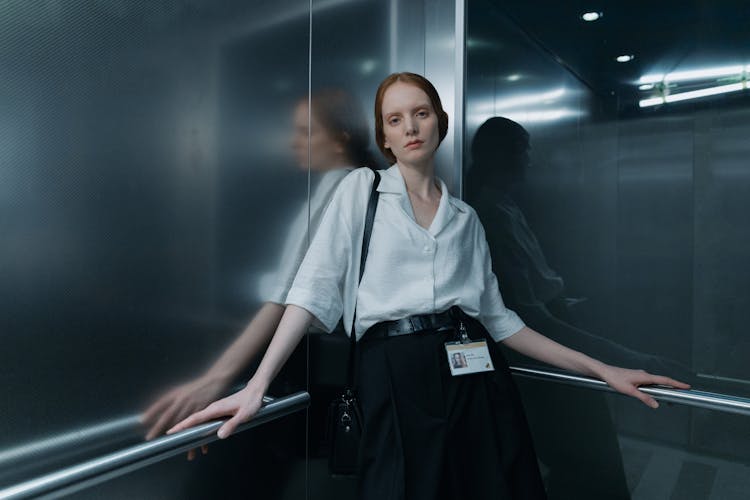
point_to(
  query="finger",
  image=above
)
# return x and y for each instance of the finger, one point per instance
(191, 454)
(230, 425)
(204, 449)
(176, 413)
(192, 420)
(211, 412)
(165, 420)
(645, 398)
(156, 409)
(671, 382)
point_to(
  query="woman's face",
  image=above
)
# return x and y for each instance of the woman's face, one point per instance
(325, 151)
(410, 124)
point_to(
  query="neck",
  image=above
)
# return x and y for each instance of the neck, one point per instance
(419, 181)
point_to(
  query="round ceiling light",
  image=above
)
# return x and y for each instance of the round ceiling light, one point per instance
(624, 58)
(592, 16)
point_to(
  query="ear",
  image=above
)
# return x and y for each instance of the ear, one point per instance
(385, 144)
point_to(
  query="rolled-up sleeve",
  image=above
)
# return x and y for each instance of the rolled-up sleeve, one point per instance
(318, 286)
(500, 321)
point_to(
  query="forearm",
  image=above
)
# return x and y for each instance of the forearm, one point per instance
(292, 328)
(254, 338)
(535, 345)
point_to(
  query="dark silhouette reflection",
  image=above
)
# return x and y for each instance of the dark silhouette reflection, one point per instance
(331, 142)
(573, 429)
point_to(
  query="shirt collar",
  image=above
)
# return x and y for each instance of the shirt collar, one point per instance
(391, 181)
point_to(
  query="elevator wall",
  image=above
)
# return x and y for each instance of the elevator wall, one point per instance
(620, 235)
(162, 166)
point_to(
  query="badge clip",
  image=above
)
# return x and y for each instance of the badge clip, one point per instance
(464, 335)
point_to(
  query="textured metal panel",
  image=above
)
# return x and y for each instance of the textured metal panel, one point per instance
(642, 219)
(138, 145)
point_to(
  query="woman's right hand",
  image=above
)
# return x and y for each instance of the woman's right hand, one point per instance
(240, 407)
(179, 402)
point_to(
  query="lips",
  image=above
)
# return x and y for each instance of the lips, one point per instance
(413, 144)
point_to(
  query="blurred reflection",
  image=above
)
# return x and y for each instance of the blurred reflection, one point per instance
(330, 142)
(500, 153)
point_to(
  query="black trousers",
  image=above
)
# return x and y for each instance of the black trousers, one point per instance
(429, 435)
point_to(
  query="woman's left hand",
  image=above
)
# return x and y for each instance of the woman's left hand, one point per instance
(627, 382)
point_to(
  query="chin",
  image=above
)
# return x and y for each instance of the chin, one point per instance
(418, 156)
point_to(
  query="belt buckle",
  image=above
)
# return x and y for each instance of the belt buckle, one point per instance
(414, 324)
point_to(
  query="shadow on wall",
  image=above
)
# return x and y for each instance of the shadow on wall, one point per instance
(500, 152)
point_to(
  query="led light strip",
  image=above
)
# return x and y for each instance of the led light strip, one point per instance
(696, 74)
(693, 94)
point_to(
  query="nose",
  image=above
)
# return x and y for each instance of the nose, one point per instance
(411, 126)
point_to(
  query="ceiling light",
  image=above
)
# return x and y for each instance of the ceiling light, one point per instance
(698, 74)
(722, 89)
(694, 74)
(694, 94)
(625, 58)
(654, 101)
(646, 86)
(514, 77)
(592, 16)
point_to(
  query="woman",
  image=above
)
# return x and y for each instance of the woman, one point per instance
(428, 264)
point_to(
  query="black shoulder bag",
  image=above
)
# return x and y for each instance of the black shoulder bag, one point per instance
(344, 416)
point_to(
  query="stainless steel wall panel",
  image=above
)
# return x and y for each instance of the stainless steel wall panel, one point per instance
(443, 66)
(722, 237)
(655, 235)
(642, 217)
(159, 184)
(138, 141)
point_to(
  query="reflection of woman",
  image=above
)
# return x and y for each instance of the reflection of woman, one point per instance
(500, 154)
(500, 158)
(427, 255)
(331, 142)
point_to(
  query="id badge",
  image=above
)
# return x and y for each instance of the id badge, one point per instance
(468, 356)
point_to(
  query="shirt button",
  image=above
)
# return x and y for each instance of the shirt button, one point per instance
(427, 249)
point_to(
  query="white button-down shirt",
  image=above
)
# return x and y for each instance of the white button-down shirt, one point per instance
(409, 269)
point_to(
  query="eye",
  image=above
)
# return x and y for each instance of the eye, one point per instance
(393, 120)
(422, 114)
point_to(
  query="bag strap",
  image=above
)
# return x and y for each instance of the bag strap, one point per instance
(372, 206)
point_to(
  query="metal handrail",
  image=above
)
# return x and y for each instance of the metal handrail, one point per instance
(57, 444)
(700, 399)
(97, 470)
(106, 467)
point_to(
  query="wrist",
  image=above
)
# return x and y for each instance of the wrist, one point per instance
(597, 369)
(259, 382)
(219, 376)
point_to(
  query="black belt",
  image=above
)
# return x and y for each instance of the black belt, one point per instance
(445, 320)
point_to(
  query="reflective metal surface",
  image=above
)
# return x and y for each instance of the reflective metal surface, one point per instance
(162, 170)
(163, 167)
(100, 469)
(701, 399)
(616, 230)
